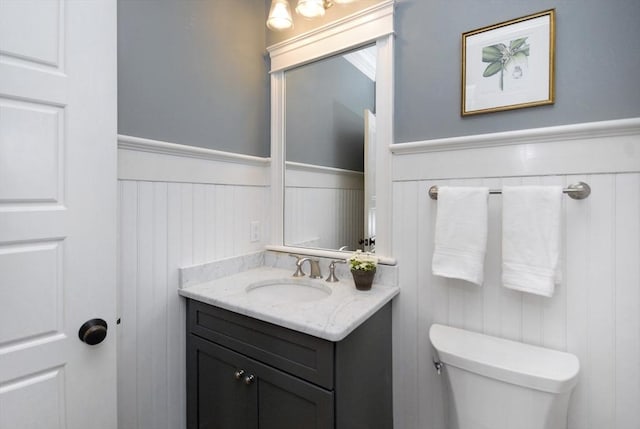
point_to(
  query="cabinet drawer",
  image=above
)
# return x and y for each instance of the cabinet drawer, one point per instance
(302, 355)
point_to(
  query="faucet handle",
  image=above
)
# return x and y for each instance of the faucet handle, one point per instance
(299, 272)
(313, 263)
(332, 270)
(299, 261)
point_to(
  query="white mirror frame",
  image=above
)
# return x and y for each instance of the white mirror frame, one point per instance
(371, 25)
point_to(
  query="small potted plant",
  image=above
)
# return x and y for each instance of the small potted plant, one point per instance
(363, 269)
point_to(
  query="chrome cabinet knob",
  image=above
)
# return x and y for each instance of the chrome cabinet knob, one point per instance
(238, 374)
(249, 379)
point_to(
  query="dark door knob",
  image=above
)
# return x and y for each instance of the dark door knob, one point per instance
(93, 331)
(367, 241)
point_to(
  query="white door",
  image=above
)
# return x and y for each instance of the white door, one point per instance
(57, 212)
(369, 180)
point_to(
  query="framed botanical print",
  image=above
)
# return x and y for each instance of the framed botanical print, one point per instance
(509, 65)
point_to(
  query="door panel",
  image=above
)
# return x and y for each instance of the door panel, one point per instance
(37, 23)
(32, 309)
(34, 402)
(31, 147)
(57, 212)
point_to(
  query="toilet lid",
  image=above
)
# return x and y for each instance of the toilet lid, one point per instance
(510, 361)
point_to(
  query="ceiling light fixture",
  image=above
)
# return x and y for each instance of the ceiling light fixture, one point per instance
(280, 12)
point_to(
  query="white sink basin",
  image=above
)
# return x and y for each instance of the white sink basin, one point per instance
(288, 290)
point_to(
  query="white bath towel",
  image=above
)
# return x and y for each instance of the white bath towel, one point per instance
(531, 237)
(461, 233)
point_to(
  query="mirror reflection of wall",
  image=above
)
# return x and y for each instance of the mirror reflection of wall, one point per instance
(325, 135)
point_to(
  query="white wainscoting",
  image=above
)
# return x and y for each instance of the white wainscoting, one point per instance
(595, 312)
(154, 160)
(164, 225)
(323, 207)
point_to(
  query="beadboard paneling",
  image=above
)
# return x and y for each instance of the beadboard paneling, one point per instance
(323, 217)
(593, 313)
(323, 207)
(164, 226)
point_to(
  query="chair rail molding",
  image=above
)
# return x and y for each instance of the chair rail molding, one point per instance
(593, 147)
(160, 161)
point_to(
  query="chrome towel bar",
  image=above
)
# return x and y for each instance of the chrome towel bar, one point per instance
(577, 191)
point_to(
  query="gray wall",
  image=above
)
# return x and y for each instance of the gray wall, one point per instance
(325, 101)
(597, 65)
(194, 72)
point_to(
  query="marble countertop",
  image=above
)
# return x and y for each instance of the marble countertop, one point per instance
(331, 318)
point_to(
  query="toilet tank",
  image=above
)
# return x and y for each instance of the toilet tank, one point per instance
(502, 384)
(509, 361)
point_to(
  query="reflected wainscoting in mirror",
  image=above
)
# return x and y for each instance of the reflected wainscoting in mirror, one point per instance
(326, 190)
(323, 207)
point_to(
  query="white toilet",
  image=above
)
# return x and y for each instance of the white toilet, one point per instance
(502, 384)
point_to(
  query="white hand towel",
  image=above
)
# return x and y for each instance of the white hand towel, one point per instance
(531, 237)
(461, 233)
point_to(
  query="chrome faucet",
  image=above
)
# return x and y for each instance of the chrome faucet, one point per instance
(332, 270)
(313, 263)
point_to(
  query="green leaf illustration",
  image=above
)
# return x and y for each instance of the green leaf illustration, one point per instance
(522, 56)
(500, 57)
(491, 54)
(492, 69)
(515, 44)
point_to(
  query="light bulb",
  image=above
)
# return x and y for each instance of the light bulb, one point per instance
(279, 16)
(310, 8)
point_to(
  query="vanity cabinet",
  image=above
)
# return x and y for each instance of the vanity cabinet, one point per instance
(243, 373)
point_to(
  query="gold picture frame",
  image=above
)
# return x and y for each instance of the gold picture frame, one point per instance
(509, 65)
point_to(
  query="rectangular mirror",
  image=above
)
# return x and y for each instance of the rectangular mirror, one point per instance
(303, 167)
(329, 196)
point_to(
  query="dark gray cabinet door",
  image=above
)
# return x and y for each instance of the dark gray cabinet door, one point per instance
(270, 399)
(218, 396)
(287, 402)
